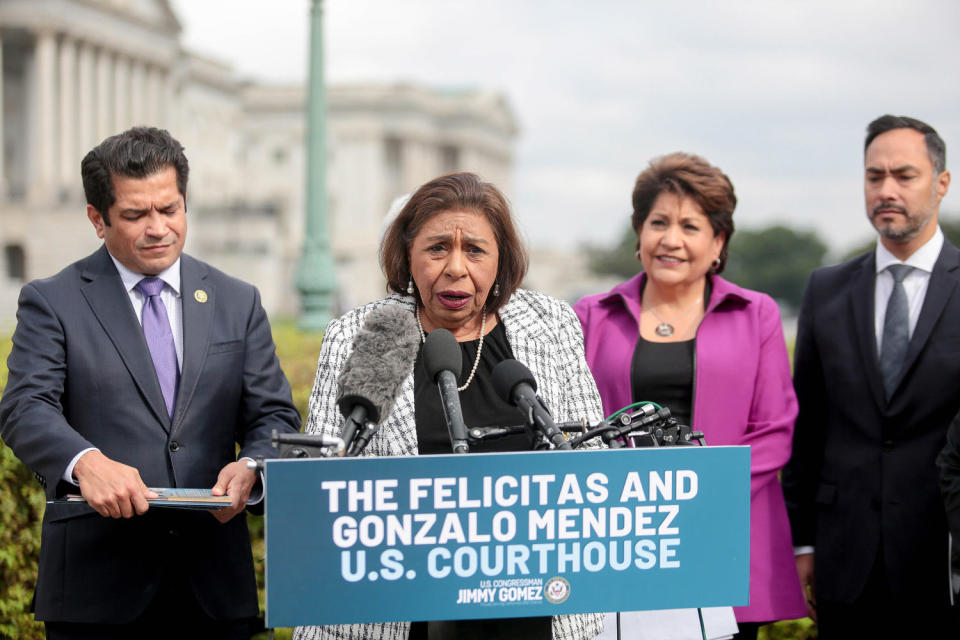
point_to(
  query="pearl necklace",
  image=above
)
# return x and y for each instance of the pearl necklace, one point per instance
(476, 361)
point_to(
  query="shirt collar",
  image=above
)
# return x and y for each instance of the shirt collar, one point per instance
(170, 275)
(923, 258)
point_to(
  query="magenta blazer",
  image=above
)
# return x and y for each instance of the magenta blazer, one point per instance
(742, 395)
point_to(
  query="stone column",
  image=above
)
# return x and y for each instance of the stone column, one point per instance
(138, 88)
(121, 93)
(152, 110)
(86, 110)
(165, 105)
(104, 108)
(44, 132)
(68, 161)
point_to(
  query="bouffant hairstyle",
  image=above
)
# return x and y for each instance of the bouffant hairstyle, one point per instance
(455, 192)
(688, 175)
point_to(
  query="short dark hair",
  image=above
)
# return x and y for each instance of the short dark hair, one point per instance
(936, 147)
(136, 153)
(453, 192)
(685, 174)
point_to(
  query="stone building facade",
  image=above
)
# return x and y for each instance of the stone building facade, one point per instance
(73, 72)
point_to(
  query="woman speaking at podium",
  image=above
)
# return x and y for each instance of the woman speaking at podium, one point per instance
(680, 335)
(453, 260)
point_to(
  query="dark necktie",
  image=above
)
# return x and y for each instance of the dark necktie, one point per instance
(893, 348)
(156, 329)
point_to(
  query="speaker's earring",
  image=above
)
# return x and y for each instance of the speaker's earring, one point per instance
(410, 286)
(496, 289)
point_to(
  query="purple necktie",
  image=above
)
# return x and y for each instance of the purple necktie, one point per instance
(156, 329)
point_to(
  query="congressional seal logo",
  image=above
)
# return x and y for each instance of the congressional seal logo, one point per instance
(200, 296)
(556, 590)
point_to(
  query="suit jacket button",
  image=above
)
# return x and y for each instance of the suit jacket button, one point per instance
(888, 445)
(174, 446)
(875, 504)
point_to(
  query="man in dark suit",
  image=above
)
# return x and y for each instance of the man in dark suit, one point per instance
(877, 374)
(139, 367)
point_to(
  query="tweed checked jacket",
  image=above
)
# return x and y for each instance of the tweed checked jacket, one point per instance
(544, 334)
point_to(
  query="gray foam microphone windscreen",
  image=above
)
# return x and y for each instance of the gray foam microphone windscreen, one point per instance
(383, 355)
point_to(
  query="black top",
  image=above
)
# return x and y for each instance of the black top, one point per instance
(482, 407)
(662, 372)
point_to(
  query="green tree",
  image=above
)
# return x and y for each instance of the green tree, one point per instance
(21, 509)
(951, 228)
(619, 260)
(776, 260)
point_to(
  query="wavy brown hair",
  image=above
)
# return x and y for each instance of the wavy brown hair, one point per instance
(685, 174)
(455, 192)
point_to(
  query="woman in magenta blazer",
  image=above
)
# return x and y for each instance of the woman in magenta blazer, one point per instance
(680, 335)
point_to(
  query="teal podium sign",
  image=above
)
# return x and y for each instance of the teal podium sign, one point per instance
(457, 537)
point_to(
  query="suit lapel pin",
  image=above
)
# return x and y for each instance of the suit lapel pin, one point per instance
(200, 296)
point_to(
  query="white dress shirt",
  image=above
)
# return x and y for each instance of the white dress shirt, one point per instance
(914, 284)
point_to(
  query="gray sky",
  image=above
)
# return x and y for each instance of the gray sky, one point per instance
(776, 93)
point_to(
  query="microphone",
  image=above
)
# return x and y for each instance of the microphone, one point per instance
(515, 384)
(382, 358)
(442, 360)
(302, 445)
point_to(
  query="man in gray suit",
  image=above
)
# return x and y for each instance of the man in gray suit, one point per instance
(135, 367)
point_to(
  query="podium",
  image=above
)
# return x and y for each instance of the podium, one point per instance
(504, 535)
